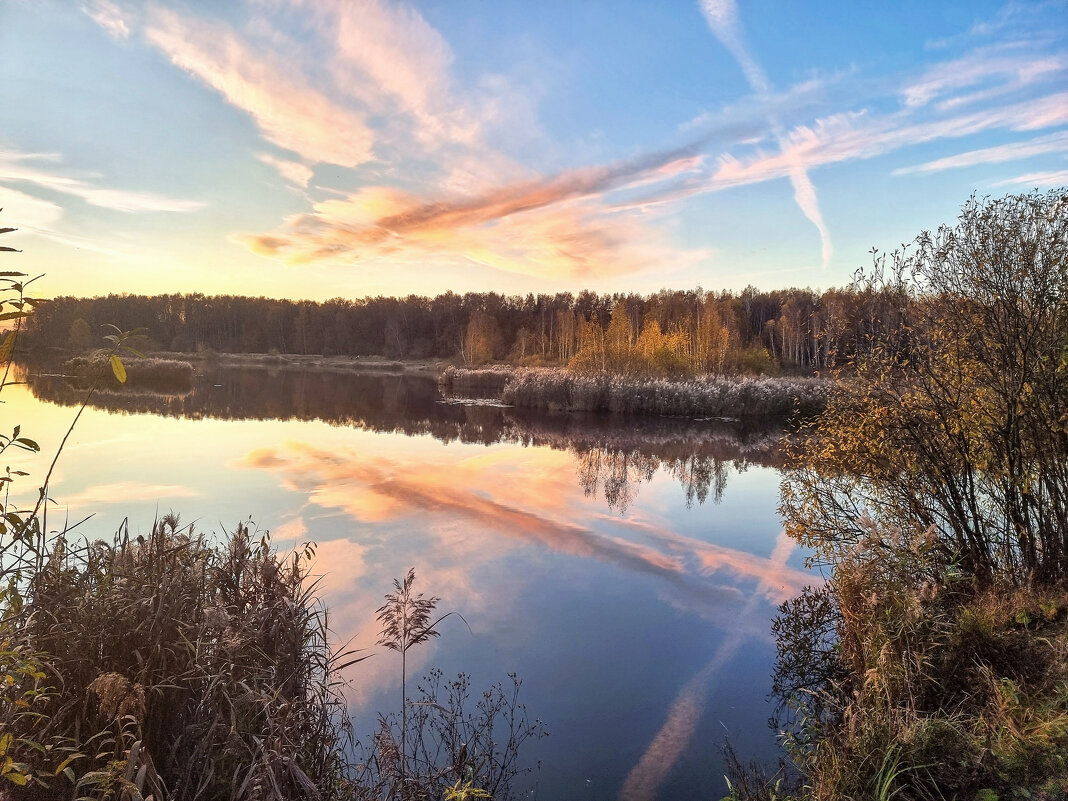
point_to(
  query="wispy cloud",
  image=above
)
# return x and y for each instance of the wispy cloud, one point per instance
(1037, 179)
(550, 226)
(853, 136)
(28, 213)
(44, 171)
(998, 70)
(295, 172)
(288, 111)
(387, 54)
(109, 16)
(1053, 143)
(722, 17)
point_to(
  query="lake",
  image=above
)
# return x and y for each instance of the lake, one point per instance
(626, 569)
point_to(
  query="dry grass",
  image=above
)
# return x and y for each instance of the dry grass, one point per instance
(461, 381)
(710, 396)
(181, 667)
(207, 665)
(162, 374)
(902, 678)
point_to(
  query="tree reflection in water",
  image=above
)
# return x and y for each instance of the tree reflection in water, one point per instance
(614, 455)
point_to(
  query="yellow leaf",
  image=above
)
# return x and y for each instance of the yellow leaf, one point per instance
(118, 369)
(7, 346)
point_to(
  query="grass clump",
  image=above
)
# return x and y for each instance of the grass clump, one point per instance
(902, 678)
(174, 666)
(707, 396)
(151, 373)
(461, 381)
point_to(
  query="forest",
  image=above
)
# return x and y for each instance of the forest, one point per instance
(669, 333)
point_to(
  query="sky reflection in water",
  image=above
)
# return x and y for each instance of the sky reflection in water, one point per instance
(592, 558)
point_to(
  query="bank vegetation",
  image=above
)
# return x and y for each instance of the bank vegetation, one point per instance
(933, 490)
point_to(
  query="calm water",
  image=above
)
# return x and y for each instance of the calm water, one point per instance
(626, 570)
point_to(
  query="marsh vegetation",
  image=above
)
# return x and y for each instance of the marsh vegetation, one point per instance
(706, 397)
(164, 375)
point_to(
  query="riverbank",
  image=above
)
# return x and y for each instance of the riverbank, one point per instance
(357, 364)
(709, 396)
(299, 361)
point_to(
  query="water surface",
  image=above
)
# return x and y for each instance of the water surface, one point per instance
(627, 570)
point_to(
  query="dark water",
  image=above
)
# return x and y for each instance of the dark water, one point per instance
(627, 570)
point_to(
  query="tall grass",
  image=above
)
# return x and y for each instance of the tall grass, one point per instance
(491, 380)
(163, 374)
(204, 665)
(709, 396)
(180, 666)
(903, 680)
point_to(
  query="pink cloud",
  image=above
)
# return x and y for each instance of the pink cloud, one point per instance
(551, 227)
(286, 109)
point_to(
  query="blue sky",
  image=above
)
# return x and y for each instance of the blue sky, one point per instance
(322, 148)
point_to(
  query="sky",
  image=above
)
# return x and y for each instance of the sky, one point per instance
(352, 148)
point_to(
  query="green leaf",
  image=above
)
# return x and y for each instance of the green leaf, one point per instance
(13, 250)
(28, 443)
(13, 315)
(118, 369)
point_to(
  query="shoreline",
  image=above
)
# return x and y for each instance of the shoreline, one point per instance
(377, 364)
(552, 389)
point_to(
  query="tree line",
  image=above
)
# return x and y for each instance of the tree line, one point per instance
(667, 333)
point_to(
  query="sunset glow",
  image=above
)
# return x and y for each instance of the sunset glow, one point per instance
(332, 148)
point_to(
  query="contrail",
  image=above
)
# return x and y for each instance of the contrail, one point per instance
(685, 713)
(722, 18)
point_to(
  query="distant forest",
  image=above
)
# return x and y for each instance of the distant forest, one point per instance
(669, 332)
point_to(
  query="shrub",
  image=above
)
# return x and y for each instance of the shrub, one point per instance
(934, 488)
(206, 664)
(958, 416)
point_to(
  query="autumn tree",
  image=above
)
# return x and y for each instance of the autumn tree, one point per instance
(955, 421)
(480, 339)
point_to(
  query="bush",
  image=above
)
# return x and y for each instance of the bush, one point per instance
(207, 664)
(958, 417)
(934, 662)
